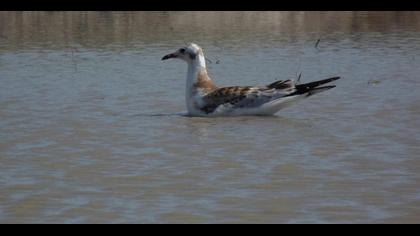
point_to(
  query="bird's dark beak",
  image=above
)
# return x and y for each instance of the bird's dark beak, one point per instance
(172, 55)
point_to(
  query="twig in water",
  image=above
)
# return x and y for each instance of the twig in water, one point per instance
(317, 42)
(298, 79)
(298, 69)
(73, 59)
(374, 81)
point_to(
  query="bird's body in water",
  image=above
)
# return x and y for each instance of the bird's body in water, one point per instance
(204, 98)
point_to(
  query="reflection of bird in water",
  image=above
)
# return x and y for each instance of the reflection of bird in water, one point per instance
(204, 98)
(199, 128)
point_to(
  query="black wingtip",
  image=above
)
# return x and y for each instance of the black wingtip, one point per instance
(319, 89)
(335, 78)
(313, 87)
(315, 84)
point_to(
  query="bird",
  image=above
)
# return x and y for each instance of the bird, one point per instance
(205, 99)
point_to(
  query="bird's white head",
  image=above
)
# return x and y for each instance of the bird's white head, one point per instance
(192, 54)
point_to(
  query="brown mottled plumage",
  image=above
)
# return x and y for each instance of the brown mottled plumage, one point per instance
(204, 82)
(232, 96)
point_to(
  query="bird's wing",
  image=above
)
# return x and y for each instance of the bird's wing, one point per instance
(251, 97)
(245, 97)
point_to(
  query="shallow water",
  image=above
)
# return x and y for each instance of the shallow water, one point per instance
(92, 127)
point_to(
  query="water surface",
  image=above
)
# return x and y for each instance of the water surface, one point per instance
(92, 131)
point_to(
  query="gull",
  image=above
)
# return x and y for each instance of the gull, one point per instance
(204, 98)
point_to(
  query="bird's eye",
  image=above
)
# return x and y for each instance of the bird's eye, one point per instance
(182, 50)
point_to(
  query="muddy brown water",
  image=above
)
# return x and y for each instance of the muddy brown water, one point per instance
(92, 131)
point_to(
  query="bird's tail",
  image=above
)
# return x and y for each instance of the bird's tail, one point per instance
(313, 87)
(302, 91)
(319, 89)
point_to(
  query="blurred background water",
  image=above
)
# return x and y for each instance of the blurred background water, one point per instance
(91, 131)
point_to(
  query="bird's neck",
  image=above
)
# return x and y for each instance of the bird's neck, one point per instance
(198, 84)
(197, 77)
(196, 65)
